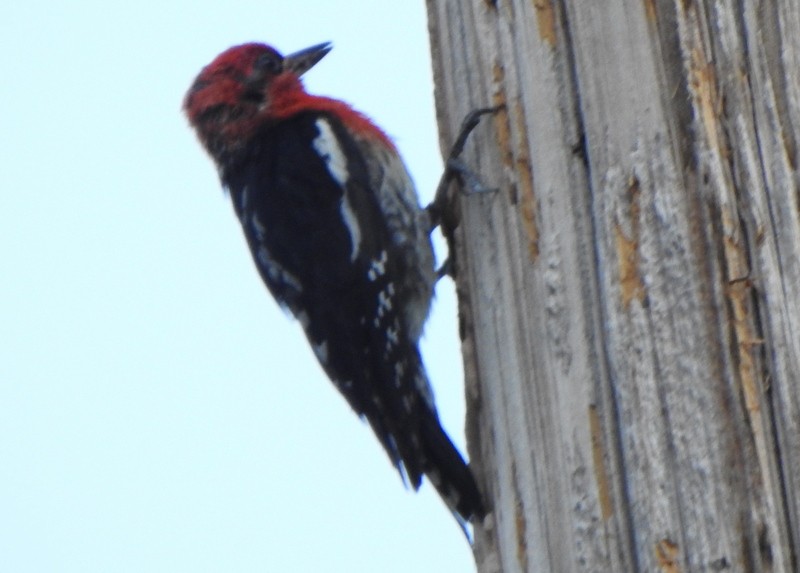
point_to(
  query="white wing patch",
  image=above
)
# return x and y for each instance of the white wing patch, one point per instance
(328, 148)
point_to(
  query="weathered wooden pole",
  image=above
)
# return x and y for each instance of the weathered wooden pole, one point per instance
(630, 297)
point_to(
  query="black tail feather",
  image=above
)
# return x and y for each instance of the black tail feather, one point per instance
(449, 473)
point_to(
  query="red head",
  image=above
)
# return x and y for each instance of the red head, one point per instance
(249, 85)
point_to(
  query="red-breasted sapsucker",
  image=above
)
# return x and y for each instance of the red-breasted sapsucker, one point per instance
(335, 228)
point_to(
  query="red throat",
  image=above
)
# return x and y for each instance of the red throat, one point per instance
(288, 98)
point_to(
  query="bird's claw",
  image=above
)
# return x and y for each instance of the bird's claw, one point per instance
(455, 167)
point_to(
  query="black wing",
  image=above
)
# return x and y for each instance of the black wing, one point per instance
(340, 257)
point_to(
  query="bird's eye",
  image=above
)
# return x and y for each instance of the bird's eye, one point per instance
(269, 63)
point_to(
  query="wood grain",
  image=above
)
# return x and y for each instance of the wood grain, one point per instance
(629, 297)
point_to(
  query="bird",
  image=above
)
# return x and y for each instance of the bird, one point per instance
(335, 228)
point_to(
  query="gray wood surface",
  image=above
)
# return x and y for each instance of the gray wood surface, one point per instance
(630, 296)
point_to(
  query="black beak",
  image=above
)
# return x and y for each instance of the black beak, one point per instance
(302, 61)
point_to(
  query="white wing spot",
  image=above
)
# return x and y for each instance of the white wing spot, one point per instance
(384, 303)
(378, 268)
(392, 336)
(328, 148)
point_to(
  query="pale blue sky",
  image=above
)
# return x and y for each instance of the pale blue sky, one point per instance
(158, 412)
